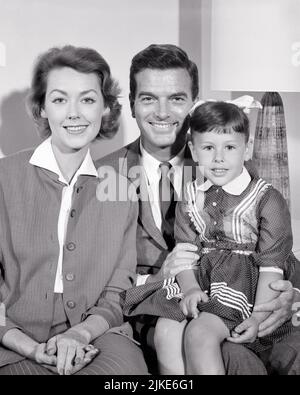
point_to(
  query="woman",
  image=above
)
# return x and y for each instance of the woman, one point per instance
(63, 262)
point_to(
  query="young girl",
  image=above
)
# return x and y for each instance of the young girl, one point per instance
(242, 227)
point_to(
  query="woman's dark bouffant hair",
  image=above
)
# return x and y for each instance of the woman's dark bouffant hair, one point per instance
(84, 60)
(221, 117)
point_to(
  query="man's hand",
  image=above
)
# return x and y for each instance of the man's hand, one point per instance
(246, 332)
(183, 257)
(280, 308)
(190, 302)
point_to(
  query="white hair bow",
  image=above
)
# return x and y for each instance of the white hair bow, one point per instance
(246, 103)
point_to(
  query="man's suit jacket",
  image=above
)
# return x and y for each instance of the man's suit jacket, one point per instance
(151, 246)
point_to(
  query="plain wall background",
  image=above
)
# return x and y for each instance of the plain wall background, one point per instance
(117, 29)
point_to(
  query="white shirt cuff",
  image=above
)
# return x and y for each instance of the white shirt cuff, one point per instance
(141, 279)
(271, 269)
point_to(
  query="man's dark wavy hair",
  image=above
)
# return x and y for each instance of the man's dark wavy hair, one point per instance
(162, 57)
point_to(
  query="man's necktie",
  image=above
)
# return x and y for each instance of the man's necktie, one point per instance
(167, 203)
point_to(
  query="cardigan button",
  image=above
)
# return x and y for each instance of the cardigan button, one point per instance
(73, 212)
(71, 246)
(70, 277)
(71, 304)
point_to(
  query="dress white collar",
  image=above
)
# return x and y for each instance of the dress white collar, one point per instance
(235, 187)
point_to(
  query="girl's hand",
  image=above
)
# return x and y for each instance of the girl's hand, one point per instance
(246, 332)
(189, 304)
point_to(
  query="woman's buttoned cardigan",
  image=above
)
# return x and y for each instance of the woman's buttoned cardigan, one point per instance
(99, 252)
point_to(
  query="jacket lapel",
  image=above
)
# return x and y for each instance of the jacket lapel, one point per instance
(132, 159)
(138, 178)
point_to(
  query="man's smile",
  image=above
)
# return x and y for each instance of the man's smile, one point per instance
(164, 126)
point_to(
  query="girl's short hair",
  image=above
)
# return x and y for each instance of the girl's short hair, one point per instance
(84, 60)
(221, 117)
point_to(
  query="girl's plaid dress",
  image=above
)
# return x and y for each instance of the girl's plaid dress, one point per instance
(241, 229)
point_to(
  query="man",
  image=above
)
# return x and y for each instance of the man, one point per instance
(163, 88)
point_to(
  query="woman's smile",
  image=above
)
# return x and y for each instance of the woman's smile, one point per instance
(74, 107)
(77, 130)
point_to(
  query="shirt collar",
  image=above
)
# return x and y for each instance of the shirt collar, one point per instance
(151, 164)
(235, 187)
(43, 157)
(178, 160)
